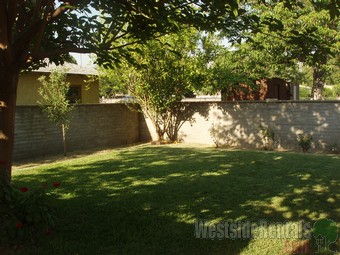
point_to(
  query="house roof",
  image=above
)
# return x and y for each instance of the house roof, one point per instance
(71, 69)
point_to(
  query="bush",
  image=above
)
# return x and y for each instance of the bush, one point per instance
(305, 141)
(305, 92)
(328, 92)
(25, 215)
(268, 137)
(336, 89)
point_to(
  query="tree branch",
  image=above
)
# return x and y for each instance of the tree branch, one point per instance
(60, 10)
(110, 30)
(37, 9)
(4, 40)
(38, 26)
(125, 45)
(12, 15)
(41, 31)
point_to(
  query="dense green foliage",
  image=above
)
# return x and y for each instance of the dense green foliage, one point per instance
(287, 36)
(166, 70)
(25, 215)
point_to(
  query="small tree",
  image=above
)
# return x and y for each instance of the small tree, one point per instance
(54, 101)
(160, 78)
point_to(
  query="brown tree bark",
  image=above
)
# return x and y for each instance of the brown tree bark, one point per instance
(224, 95)
(318, 82)
(8, 92)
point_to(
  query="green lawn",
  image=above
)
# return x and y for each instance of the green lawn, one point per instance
(145, 199)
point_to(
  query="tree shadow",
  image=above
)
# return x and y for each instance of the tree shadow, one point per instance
(146, 200)
(172, 121)
(237, 124)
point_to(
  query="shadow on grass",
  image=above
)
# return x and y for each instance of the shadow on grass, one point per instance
(146, 200)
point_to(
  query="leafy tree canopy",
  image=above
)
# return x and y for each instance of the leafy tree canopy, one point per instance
(284, 37)
(166, 70)
(32, 30)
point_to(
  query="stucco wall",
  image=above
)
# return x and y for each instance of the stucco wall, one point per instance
(28, 86)
(92, 126)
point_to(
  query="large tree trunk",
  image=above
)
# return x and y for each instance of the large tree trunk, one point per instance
(8, 91)
(318, 82)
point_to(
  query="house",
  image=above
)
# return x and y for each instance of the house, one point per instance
(266, 89)
(83, 89)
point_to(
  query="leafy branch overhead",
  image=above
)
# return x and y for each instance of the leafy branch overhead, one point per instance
(34, 30)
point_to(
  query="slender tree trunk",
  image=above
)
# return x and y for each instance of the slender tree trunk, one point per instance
(63, 129)
(8, 91)
(318, 82)
(224, 95)
(160, 132)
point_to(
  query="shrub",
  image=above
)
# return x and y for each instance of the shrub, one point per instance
(214, 133)
(305, 92)
(268, 137)
(334, 149)
(328, 93)
(305, 141)
(336, 89)
(25, 214)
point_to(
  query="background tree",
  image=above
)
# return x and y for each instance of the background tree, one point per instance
(228, 71)
(55, 103)
(33, 31)
(161, 77)
(302, 33)
(110, 84)
(334, 71)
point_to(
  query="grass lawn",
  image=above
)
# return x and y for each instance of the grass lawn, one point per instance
(145, 199)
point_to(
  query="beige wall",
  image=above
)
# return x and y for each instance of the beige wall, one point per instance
(28, 88)
(236, 124)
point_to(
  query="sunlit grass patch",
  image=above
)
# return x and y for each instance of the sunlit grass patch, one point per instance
(146, 199)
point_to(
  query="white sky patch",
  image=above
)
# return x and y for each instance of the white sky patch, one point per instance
(83, 59)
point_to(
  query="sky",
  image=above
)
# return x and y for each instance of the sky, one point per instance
(83, 59)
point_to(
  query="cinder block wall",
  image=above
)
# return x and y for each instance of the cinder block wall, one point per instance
(234, 124)
(91, 126)
(237, 123)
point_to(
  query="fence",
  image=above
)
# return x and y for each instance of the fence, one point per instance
(232, 124)
(99, 125)
(237, 123)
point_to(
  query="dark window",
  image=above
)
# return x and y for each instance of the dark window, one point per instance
(74, 94)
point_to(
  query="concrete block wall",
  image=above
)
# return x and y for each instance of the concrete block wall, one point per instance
(236, 124)
(98, 125)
